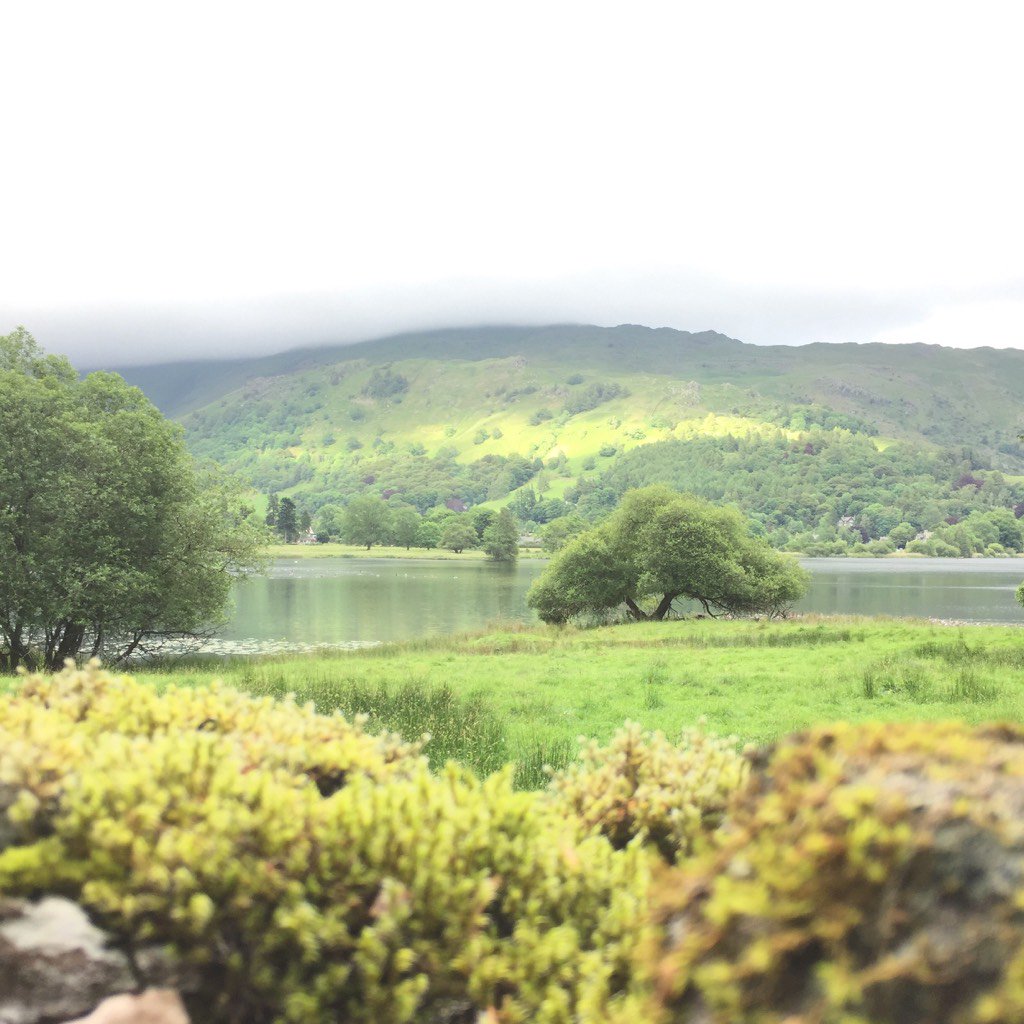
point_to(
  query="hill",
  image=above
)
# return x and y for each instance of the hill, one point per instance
(570, 411)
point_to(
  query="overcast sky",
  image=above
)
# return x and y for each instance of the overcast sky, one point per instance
(207, 178)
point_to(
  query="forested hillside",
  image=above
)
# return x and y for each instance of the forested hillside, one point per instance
(827, 446)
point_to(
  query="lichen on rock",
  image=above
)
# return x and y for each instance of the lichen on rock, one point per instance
(869, 873)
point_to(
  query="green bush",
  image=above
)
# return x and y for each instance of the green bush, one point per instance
(673, 795)
(306, 870)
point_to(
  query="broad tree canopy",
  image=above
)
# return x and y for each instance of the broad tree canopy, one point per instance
(659, 546)
(110, 540)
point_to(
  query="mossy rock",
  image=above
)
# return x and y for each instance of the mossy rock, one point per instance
(866, 874)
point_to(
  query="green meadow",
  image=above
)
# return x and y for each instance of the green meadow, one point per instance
(525, 694)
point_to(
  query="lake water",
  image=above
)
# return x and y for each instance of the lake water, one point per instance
(353, 601)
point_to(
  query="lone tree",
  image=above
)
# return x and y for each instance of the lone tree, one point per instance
(287, 521)
(501, 538)
(367, 521)
(659, 546)
(111, 542)
(457, 534)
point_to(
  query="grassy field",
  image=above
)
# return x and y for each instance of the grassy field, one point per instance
(525, 694)
(541, 687)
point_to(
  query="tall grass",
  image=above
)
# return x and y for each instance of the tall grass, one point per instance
(913, 680)
(468, 729)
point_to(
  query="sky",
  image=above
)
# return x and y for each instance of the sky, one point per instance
(183, 179)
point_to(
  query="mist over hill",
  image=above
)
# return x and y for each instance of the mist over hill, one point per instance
(572, 414)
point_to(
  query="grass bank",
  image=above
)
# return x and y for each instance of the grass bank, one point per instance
(527, 693)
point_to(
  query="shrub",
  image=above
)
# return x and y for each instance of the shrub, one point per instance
(641, 783)
(593, 396)
(198, 819)
(385, 383)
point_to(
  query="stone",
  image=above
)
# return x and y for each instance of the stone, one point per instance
(56, 965)
(154, 1006)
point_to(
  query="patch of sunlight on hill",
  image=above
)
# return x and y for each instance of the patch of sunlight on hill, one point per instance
(717, 425)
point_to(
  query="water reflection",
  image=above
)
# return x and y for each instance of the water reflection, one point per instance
(341, 600)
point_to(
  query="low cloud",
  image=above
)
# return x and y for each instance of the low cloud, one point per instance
(128, 335)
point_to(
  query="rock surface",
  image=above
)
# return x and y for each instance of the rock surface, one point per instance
(55, 965)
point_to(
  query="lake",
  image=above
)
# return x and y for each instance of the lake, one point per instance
(305, 603)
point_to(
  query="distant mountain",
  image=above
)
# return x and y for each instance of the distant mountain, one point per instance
(476, 414)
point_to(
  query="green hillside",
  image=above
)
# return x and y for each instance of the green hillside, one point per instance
(478, 414)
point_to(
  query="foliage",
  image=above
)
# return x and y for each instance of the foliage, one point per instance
(868, 873)
(287, 521)
(201, 820)
(587, 574)
(367, 521)
(458, 533)
(501, 538)
(825, 492)
(558, 532)
(405, 525)
(385, 383)
(640, 784)
(594, 395)
(110, 539)
(666, 545)
(329, 521)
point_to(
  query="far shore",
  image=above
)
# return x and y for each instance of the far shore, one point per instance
(378, 551)
(531, 554)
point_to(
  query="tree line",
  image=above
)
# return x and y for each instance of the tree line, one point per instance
(368, 520)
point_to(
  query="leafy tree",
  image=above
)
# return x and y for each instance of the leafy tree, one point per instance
(523, 503)
(501, 538)
(287, 521)
(428, 534)
(111, 541)
(482, 518)
(560, 531)
(458, 534)
(405, 524)
(902, 533)
(329, 521)
(367, 521)
(662, 545)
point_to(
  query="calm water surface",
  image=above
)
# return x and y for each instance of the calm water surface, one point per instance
(350, 601)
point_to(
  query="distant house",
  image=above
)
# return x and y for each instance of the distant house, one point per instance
(309, 537)
(456, 505)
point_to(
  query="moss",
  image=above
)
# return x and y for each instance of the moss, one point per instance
(867, 873)
(306, 870)
(640, 784)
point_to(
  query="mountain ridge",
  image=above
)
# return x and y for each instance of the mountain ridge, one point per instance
(481, 415)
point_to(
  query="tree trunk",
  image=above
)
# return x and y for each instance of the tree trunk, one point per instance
(663, 606)
(635, 610)
(68, 647)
